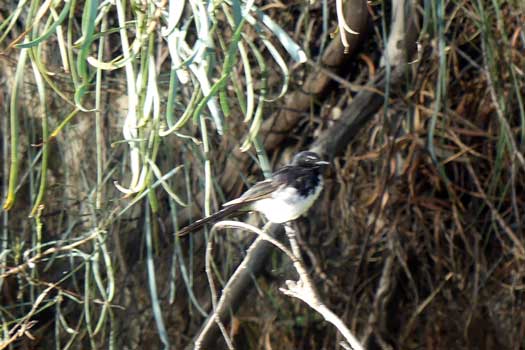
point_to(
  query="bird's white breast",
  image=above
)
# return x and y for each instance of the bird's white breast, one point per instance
(286, 204)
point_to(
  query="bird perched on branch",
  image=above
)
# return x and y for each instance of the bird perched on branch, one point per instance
(288, 194)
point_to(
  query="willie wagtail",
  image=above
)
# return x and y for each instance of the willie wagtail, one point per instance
(288, 194)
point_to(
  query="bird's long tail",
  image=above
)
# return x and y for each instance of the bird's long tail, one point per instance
(212, 218)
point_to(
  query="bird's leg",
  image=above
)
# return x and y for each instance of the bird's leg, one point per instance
(290, 232)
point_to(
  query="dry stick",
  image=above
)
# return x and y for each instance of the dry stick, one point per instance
(38, 257)
(501, 116)
(235, 290)
(303, 289)
(419, 310)
(382, 297)
(23, 326)
(520, 253)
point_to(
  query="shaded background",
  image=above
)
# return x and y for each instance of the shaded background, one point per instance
(417, 241)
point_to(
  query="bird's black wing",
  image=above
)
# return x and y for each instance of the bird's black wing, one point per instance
(260, 190)
(264, 189)
(212, 218)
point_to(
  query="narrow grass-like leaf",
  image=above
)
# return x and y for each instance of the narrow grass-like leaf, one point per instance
(238, 89)
(257, 121)
(71, 26)
(61, 126)
(197, 94)
(7, 24)
(282, 64)
(180, 256)
(152, 283)
(177, 64)
(237, 13)
(50, 30)
(50, 82)
(199, 64)
(88, 29)
(172, 93)
(207, 166)
(209, 99)
(325, 34)
(45, 143)
(438, 13)
(209, 93)
(519, 98)
(175, 10)
(98, 121)
(152, 107)
(164, 184)
(342, 25)
(293, 49)
(130, 123)
(255, 126)
(14, 126)
(250, 94)
(95, 261)
(264, 163)
(99, 64)
(158, 183)
(223, 101)
(87, 303)
(61, 42)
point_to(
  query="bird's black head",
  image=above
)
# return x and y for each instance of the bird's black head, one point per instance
(308, 159)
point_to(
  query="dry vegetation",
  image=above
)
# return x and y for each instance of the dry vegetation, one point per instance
(418, 241)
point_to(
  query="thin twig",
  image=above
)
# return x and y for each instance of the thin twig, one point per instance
(302, 289)
(53, 250)
(520, 253)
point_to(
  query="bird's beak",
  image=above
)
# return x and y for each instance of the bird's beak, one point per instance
(322, 162)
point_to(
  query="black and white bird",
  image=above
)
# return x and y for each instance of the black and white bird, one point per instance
(288, 194)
